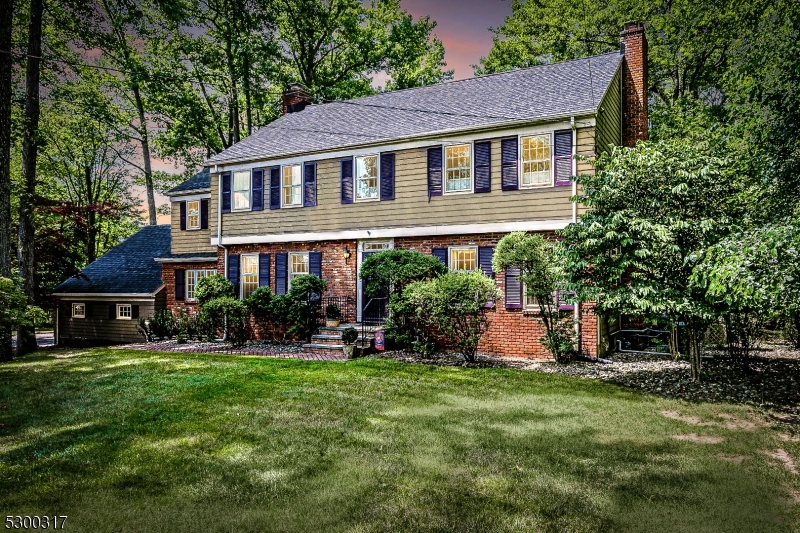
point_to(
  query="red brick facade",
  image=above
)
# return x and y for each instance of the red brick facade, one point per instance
(513, 332)
(168, 277)
(634, 86)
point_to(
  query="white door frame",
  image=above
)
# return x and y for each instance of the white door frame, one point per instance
(388, 245)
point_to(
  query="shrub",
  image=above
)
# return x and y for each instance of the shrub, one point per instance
(214, 286)
(305, 294)
(332, 312)
(259, 304)
(280, 307)
(349, 335)
(162, 325)
(409, 321)
(15, 310)
(226, 308)
(456, 304)
(542, 275)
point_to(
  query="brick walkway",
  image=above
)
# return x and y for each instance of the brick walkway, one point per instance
(227, 349)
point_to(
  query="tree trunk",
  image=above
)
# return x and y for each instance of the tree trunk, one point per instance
(695, 359)
(91, 230)
(6, 17)
(26, 336)
(148, 171)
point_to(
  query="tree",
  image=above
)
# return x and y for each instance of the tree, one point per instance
(395, 269)
(6, 18)
(541, 273)
(653, 210)
(26, 336)
(454, 304)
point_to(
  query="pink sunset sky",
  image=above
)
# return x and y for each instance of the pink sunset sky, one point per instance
(462, 25)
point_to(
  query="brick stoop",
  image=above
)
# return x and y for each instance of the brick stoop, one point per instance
(328, 340)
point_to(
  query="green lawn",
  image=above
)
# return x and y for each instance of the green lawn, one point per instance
(129, 441)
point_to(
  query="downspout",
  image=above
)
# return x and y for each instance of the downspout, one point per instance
(55, 330)
(219, 243)
(576, 308)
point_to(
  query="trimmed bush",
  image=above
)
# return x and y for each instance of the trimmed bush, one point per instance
(234, 311)
(214, 286)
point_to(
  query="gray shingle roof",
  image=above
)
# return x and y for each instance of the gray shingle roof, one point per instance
(559, 89)
(127, 268)
(198, 182)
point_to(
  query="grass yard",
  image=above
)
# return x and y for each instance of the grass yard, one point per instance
(130, 441)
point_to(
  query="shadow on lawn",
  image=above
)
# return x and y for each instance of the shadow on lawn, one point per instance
(225, 444)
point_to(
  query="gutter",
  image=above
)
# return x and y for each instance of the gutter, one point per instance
(219, 243)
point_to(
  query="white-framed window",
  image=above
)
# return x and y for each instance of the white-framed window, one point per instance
(535, 169)
(193, 214)
(78, 310)
(529, 301)
(463, 258)
(124, 311)
(298, 266)
(241, 190)
(367, 181)
(192, 277)
(248, 274)
(291, 186)
(458, 168)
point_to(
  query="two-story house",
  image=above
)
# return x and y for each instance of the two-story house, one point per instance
(447, 170)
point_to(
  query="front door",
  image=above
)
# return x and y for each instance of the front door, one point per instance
(372, 308)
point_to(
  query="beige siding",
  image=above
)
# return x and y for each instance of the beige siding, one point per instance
(189, 241)
(411, 206)
(585, 147)
(99, 327)
(609, 118)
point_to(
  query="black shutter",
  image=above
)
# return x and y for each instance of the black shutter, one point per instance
(435, 171)
(226, 192)
(134, 311)
(347, 180)
(315, 264)
(440, 254)
(563, 158)
(204, 214)
(387, 177)
(509, 174)
(257, 190)
(183, 215)
(233, 272)
(112, 311)
(180, 284)
(281, 272)
(485, 254)
(275, 188)
(87, 310)
(263, 270)
(309, 185)
(483, 166)
(513, 289)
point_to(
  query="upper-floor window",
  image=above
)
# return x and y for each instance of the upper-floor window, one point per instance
(298, 266)
(192, 277)
(124, 311)
(536, 161)
(193, 214)
(458, 168)
(292, 186)
(78, 310)
(367, 177)
(249, 274)
(463, 258)
(241, 190)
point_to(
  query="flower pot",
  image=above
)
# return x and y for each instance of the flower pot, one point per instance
(331, 323)
(349, 350)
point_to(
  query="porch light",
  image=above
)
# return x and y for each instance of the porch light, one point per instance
(346, 253)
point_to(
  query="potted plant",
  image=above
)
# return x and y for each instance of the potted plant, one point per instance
(332, 315)
(349, 338)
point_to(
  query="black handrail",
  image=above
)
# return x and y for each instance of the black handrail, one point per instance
(373, 313)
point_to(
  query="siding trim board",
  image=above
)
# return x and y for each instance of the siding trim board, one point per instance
(414, 231)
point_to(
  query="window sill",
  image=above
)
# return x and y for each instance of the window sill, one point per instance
(292, 206)
(530, 311)
(528, 187)
(193, 229)
(240, 210)
(455, 193)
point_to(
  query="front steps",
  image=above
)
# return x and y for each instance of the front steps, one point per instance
(328, 341)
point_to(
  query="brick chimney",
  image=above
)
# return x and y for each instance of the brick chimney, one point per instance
(296, 98)
(634, 83)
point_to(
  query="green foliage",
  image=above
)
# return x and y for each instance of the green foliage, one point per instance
(278, 323)
(455, 305)
(349, 335)
(332, 312)
(653, 210)
(542, 274)
(307, 287)
(304, 312)
(230, 313)
(408, 322)
(398, 268)
(15, 310)
(161, 325)
(259, 301)
(212, 287)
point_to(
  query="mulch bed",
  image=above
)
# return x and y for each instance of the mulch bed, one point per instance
(292, 350)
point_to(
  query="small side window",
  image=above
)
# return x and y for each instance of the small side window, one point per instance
(463, 258)
(78, 310)
(193, 214)
(124, 311)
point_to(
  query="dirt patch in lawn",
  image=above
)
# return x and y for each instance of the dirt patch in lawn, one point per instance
(735, 459)
(688, 419)
(694, 437)
(784, 458)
